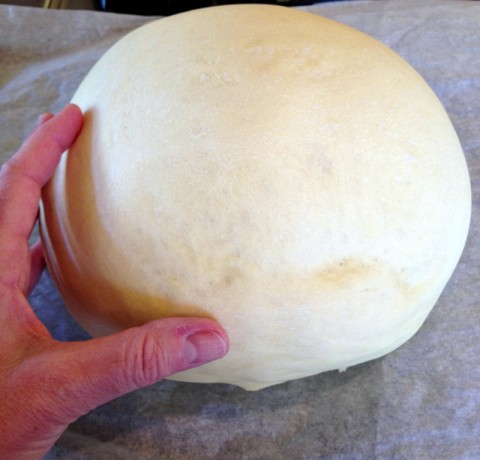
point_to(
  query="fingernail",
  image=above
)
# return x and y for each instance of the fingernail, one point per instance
(203, 347)
(43, 118)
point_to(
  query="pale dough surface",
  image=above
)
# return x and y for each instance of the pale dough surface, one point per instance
(284, 174)
(422, 401)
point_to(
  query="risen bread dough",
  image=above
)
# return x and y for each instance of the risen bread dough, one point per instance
(279, 172)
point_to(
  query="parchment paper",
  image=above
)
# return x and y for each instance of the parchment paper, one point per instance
(420, 402)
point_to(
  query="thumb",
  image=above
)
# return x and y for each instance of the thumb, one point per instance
(94, 372)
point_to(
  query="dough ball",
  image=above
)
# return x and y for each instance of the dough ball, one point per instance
(281, 173)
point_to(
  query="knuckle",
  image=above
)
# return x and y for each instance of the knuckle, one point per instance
(147, 362)
(15, 167)
(12, 166)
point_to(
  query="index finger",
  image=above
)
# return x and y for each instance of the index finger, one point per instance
(25, 173)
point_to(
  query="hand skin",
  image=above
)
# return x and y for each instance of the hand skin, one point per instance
(45, 384)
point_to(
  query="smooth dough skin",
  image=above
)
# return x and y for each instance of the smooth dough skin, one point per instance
(282, 173)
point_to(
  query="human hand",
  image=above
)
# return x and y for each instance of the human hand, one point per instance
(46, 384)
